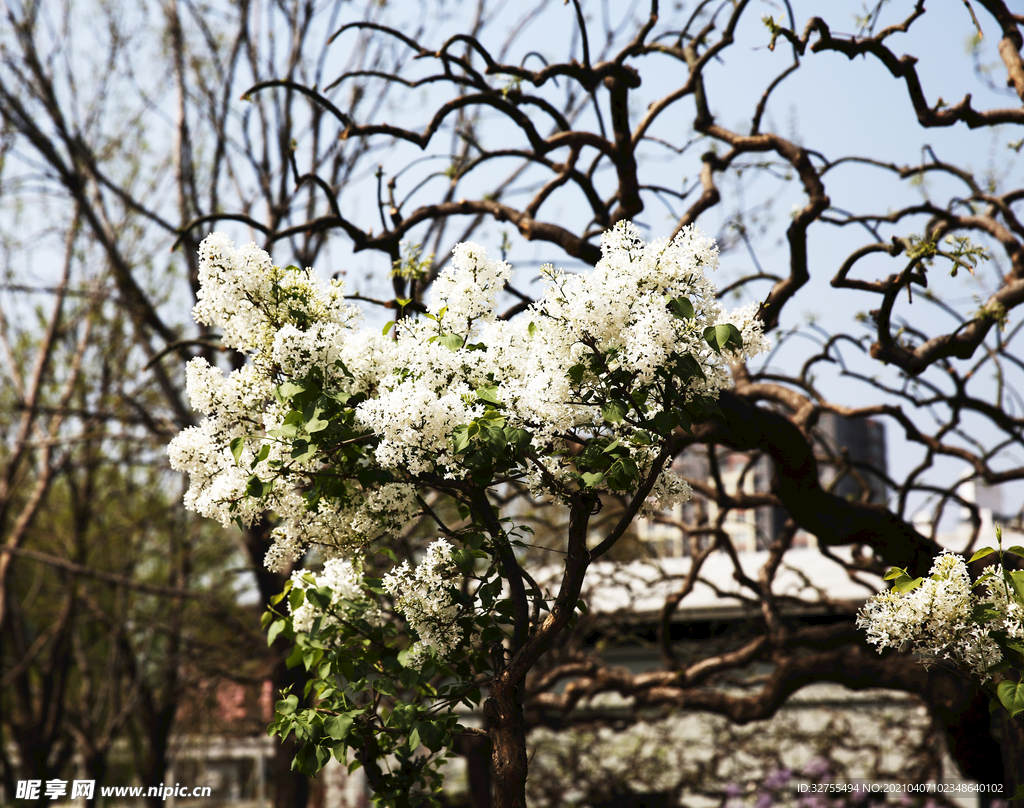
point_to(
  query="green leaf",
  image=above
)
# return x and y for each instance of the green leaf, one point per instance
(263, 454)
(1011, 696)
(682, 308)
(302, 450)
(1017, 582)
(387, 327)
(983, 612)
(723, 336)
(310, 759)
(287, 706)
(686, 367)
(255, 487)
(623, 474)
(280, 595)
(493, 438)
(518, 438)
(236, 447)
(452, 341)
(311, 657)
(592, 478)
(1015, 645)
(460, 438)
(984, 551)
(1016, 550)
(338, 726)
(403, 716)
(664, 422)
(288, 390)
(275, 628)
(906, 584)
(316, 423)
(531, 329)
(431, 735)
(385, 686)
(614, 411)
(295, 658)
(463, 559)
(492, 634)
(321, 598)
(489, 394)
(290, 426)
(576, 373)
(1000, 666)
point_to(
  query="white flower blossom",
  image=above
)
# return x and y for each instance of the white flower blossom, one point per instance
(251, 299)
(337, 528)
(935, 619)
(344, 577)
(751, 328)
(1008, 608)
(425, 597)
(467, 289)
(549, 371)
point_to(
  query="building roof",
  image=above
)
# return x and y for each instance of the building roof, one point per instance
(809, 580)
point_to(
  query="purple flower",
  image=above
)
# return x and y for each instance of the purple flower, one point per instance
(777, 779)
(817, 767)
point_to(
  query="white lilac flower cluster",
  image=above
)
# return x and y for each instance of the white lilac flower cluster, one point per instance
(618, 314)
(421, 382)
(344, 577)
(337, 528)
(619, 310)
(243, 293)
(425, 596)
(1005, 604)
(233, 407)
(935, 618)
(751, 328)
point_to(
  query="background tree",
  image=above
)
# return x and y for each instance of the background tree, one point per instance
(634, 119)
(109, 616)
(118, 128)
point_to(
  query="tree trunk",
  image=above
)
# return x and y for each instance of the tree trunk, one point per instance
(477, 752)
(1010, 733)
(161, 723)
(291, 788)
(507, 730)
